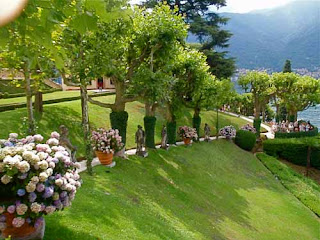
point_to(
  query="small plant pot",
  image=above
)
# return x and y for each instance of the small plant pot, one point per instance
(187, 141)
(25, 232)
(104, 158)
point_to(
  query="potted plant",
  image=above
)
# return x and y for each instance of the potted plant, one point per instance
(187, 134)
(105, 143)
(38, 179)
(228, 132)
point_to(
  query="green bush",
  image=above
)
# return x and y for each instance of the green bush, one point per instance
(245, 139)
(119, 121)
(196, 123)
(257, 126)
(306, 190)
(150, 126)
(311, 133)
(293, 150)
(172, 132)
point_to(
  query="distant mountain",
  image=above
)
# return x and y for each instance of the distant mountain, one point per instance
(266, 38)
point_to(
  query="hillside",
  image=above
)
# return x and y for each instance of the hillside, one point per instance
(207, 191)
(266, 38)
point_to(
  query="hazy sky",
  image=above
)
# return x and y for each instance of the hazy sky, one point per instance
(242, 6)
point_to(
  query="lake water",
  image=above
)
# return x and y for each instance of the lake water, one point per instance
(312, 114)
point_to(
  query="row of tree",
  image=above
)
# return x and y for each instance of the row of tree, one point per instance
(283, 90)
(143, 52)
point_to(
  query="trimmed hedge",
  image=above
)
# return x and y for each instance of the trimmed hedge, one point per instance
(303, 188)
(311, 133)
(9, 107)
(293, 150)
(245, 139)
(14, 95)
(257, 126)
(196, 123)
(119, 120)
(172, 132)
(150, 126)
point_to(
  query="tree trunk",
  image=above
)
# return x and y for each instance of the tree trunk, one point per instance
(31, 122)
(217, 124)
(85, 125)
(171, 125)
(196, 121)
(38, 103)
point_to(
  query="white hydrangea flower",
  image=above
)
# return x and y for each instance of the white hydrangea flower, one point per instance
(43, 176)
(5, 179)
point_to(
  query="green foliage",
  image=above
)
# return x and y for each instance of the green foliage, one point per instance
(172, 132)
(245, 139)
(287, 67)
(196, 123)
(257, 126)
(293, 150)
(305, 189)
(311, 133)
(150, 126)
(119, 120)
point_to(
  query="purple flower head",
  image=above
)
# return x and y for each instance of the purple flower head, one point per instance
(32, 197)
(38, 222)
(11, 209)
(2, 218)
(48, 192)
(63, 194)
(21, 192)
(23, 176)
(40, 187)
(55, 160)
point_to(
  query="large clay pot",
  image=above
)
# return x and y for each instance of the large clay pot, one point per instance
(25, 232)
(187, 141)
(105, 158)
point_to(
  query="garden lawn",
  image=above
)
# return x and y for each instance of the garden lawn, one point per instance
(69, 114)
(207, 191)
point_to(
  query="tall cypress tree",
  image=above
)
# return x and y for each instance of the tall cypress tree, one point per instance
(287, 67)
(206, 26)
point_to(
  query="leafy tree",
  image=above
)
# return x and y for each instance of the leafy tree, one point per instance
(206, 25)
(287, 67)
(25, 45)
(261, 88)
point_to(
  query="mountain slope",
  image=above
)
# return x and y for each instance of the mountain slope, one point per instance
(265, 39)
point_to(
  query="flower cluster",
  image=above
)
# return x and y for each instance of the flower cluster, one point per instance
(40, 178)
(249, 128)
(228, 132)
(187, 132)
(106, 141)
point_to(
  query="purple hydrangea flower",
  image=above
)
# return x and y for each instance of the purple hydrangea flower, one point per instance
(11, 209)
(38, 222)
(21, 192)
(2, 218)
(32, 197)
(40, 187)
(48, 192)
(63, 194)
(23, 176)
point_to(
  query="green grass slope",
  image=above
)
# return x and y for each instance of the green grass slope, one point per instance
(69, 114)
(207, 191)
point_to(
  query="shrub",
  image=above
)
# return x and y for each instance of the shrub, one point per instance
(311, 133)
(257, 126)
(119, 121)
(293, 150)
(196, 123)
(306, 190)
(245, 139)
(172, 132)
(150, 125)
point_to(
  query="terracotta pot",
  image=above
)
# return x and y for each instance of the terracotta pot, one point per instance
(25, 232)
(104, 158)
(187, 141)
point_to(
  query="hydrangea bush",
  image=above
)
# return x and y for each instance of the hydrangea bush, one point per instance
(106, 141)
(187, 132)
(37, 178)
(228, 132)
(249, 128)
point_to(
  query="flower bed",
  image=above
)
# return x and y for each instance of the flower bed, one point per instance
(249, 128)
(37, 179)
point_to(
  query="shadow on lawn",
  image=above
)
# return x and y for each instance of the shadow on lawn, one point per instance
(165, 198)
